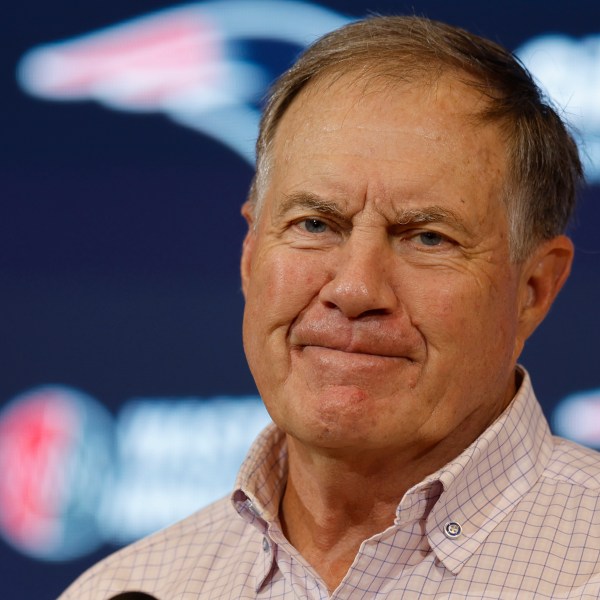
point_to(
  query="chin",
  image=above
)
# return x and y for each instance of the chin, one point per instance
(336, 418)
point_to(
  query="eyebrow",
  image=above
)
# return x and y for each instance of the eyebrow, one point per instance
(402, 216)
(311, 202)
(429, 214)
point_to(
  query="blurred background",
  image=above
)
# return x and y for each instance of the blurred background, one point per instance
(128, 131)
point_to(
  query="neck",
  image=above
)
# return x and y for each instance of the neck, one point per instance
(334, 500)
(331, 504)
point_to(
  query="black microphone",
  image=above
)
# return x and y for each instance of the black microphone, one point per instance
(133, 596)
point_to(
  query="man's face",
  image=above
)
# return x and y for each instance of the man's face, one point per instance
(382, 308)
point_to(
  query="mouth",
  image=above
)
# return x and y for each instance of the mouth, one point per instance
(345, 354)
(369, 343)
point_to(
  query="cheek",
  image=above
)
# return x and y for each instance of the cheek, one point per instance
(282, 284)
(439, 307)
(464, 313)
(280, 287)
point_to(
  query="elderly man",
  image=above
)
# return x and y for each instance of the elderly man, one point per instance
(405, 239)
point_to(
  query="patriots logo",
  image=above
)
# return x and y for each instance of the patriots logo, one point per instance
(192, 63)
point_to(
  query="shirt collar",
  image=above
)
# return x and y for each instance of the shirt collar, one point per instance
(475, 490)
(263, 474)
(257, 493)
(482, 485)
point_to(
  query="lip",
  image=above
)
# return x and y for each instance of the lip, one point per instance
(350, 353)
(374, 339)
(348, 361)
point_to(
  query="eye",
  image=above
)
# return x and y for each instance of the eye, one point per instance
(314, 225)
(430, 238)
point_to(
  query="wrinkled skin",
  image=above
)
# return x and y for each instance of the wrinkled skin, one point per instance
(383, 312)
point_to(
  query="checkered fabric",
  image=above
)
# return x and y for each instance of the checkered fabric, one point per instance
(516, 515)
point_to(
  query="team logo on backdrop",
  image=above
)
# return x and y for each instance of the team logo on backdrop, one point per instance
(193, 63)
(74, 477)
(54, 455)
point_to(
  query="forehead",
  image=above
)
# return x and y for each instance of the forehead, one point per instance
(421, 136)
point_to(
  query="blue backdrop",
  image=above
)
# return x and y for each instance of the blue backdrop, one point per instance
(124, 165)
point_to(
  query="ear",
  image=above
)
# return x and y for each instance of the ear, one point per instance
(248, 245)
(542, 277)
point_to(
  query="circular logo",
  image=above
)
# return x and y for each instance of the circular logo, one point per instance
(55, 458)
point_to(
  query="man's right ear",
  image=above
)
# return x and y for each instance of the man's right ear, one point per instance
(248, 245)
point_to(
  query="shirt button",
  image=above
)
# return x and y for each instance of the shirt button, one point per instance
(452, 530)
(265, 544)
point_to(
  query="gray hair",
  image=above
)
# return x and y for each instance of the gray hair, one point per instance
(543, 161)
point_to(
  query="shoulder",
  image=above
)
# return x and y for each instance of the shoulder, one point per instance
(213, 522)
(573, 464)
(195, 543)
(569, 488)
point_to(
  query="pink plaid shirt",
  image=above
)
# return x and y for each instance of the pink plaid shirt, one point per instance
(516, 515)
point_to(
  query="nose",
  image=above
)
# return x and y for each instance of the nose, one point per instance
(361, 283)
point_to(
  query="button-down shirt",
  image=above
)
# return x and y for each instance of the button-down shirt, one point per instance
(516, 515)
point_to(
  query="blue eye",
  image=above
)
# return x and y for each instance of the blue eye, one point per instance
(430, 238)
(314, 225)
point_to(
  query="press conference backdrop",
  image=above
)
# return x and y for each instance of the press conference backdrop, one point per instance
(128, 131)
